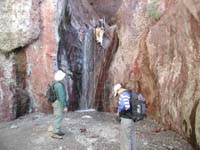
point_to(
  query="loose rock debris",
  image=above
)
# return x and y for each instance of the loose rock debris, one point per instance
(84, 131)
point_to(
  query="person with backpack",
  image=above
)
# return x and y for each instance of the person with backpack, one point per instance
(127, 126)
(59, 105)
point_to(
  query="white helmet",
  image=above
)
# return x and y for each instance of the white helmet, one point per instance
(59, 75)
(116, 88)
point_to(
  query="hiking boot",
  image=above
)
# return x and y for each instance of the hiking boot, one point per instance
(61, 133)
(56, 136)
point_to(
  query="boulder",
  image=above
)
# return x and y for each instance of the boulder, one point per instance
(19, 23)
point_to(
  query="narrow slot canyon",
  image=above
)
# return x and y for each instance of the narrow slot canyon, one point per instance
(149, 46)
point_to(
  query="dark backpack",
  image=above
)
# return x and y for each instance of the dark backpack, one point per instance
(51, 93)
(138, 106)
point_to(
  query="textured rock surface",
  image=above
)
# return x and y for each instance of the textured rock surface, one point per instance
(162, 55)
(158, 52)
(14, 99)
(19, 23)
(7, 82)
(75, 52)
(41, 55)
(80, 54)
(173, 49)
(30, 68)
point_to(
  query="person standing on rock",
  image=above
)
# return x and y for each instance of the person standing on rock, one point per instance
(127, 129)
(60, 105)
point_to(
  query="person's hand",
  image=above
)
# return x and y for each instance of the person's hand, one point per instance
(65, 110)
(118, 119)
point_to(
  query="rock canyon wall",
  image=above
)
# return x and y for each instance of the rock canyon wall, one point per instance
(151, 44)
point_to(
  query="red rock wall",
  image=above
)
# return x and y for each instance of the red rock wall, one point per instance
(159, 52)
(7, 82)
(162, 55)
(173, 51)
(29, 68)
(41, 55)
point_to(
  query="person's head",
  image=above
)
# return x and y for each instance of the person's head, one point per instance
(117, 87)
(59, 75)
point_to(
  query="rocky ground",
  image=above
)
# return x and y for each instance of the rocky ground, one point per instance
(84, 131)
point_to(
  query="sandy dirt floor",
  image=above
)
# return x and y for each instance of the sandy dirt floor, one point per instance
(84, 131)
